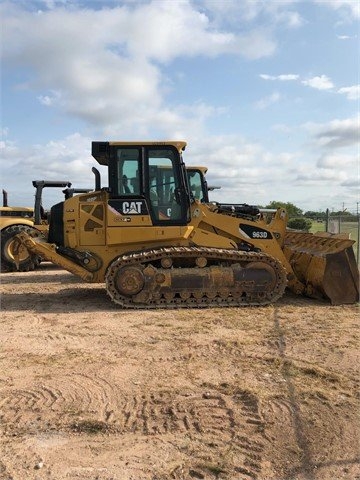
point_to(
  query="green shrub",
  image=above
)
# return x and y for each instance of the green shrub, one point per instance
(303, 224)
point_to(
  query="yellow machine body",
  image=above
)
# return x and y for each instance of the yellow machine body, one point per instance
(178, 251)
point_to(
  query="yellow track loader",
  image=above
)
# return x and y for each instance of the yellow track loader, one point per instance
(34, 221)
(155, 245)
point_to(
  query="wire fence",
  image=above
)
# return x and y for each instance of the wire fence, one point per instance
(349, 226)
(340, 224)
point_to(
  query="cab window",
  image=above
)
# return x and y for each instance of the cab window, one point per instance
(128, 168)
(163, 185)
(195, 185)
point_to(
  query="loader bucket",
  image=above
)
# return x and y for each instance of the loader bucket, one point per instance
(325, 264)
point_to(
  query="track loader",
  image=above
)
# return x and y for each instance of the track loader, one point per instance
(155, 245)
(34, 221)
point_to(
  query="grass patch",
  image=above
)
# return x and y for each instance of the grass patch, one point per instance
(345, 227)
(317, 227)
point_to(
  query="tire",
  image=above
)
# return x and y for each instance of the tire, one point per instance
(28, 261)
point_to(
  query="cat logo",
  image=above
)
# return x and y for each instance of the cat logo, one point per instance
(132, 208)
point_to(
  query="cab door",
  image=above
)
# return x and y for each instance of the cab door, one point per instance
(165, 186)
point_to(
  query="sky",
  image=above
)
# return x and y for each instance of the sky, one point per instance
(265, 93)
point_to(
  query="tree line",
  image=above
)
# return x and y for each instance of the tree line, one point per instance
(300, 220)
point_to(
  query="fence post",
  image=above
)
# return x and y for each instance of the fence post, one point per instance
(327, 220)
(358, 242)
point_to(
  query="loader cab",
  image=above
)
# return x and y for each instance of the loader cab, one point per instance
(197, 183)
(146, 179)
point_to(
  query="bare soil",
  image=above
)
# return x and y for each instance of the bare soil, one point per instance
(90, 391)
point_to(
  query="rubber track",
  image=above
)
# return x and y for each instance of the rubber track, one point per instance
(221, 255)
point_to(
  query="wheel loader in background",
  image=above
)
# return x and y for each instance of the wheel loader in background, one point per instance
(155, 245)
(34, 221)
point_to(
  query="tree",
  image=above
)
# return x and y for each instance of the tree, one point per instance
(301, 223)
(340, 213)
(315, 215)
(292, 210)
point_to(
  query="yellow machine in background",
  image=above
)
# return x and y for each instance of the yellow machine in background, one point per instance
(155, 245)
(34, 221)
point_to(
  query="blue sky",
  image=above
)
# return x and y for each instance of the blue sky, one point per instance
(266, 93)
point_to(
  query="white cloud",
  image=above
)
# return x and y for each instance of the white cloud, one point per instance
(328, 162)
(50, 100)
(283, 77)
(68, 159)
(95, 64)
(109, 67)
(247, 11)
(233, 162)
(240, 167)
(352, 183)
(268, 101)
(335, 134)
(70, 155)
(346, 37)
(321, 82)
(349, 8)
(4, 132)
(340, 133)
(8, 151)
(336, 160)
(316, 178)
(352, 93)
(282, 128)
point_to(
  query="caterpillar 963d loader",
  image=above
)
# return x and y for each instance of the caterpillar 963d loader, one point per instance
(155, 245)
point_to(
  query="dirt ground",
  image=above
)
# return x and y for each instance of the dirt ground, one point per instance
(90, 391)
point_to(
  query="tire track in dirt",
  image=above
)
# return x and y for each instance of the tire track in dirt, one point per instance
(230, 426)
(226, 425)
(23, 409)
(294, 403)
